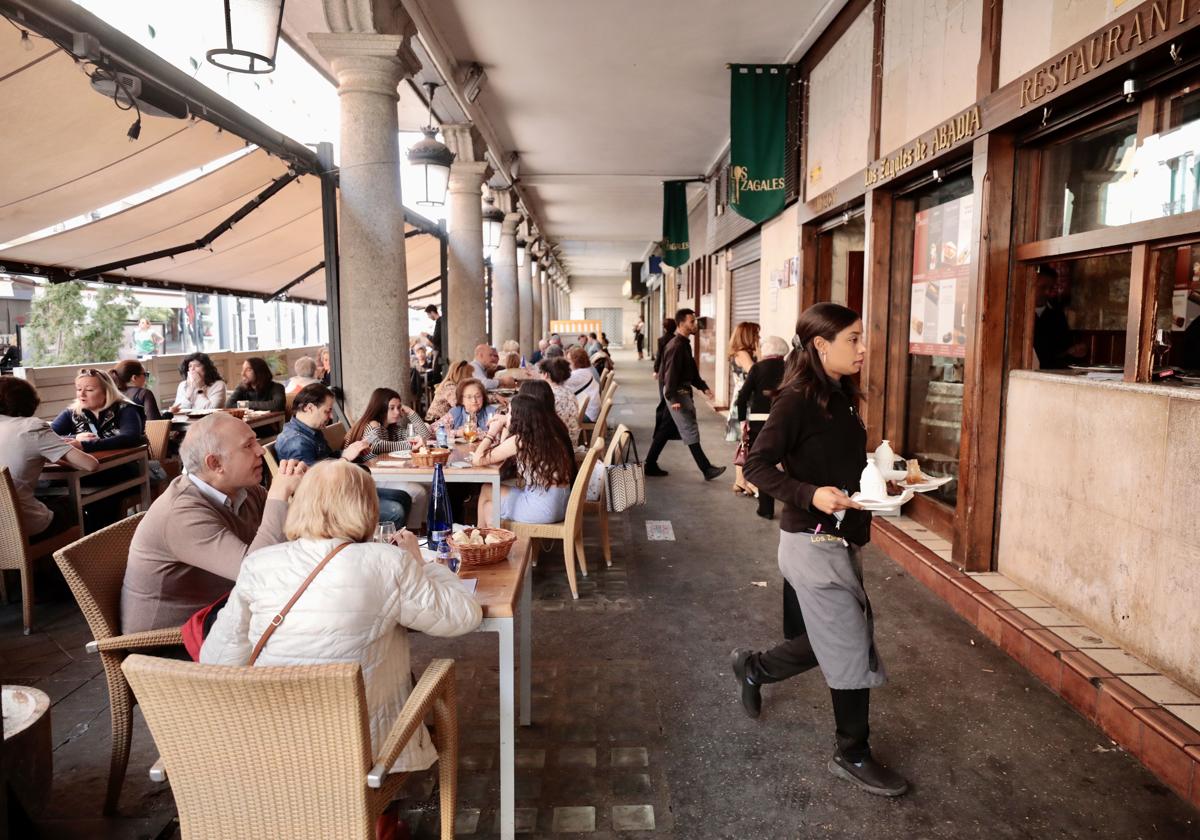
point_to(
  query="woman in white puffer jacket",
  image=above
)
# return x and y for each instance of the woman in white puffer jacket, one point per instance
(356, 609)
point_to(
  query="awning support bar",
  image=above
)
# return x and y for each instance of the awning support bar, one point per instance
(297, 281)
(200, 244)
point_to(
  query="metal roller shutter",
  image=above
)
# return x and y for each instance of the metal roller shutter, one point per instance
(745, 263)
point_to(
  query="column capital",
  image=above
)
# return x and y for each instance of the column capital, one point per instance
(464, 140)
(368, 16)
(468, 176)
(509, 226)
(366, 61)
(506, 199)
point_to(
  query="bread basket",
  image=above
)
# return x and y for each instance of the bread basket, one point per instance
(473, 556)
(433, 456)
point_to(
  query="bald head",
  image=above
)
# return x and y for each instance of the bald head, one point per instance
(485, 354)
(222, 451)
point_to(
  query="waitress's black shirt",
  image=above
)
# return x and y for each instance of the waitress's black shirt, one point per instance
(815, 450)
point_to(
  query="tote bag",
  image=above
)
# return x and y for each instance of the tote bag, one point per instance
(626, 482)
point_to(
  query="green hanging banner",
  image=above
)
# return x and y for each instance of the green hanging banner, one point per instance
(676, 249)
(757, 139)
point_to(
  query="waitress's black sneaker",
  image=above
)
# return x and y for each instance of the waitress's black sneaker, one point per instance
(655, 471)
(869, 775)
(713, 472)
(751, 692)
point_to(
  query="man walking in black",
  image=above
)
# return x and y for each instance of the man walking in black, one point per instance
(676, 415)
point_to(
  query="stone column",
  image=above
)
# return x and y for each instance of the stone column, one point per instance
(505, 311)
(374, 280)
(465, 301)
(539, 328)
(526, 331)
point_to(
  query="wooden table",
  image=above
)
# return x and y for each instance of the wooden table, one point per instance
(503, 590)
(109, 460)
(390, 472)
(269, 419)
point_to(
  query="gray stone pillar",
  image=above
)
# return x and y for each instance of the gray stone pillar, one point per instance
(465, 300)
(505, 311)
(526, 330)
(539, 326)
(374, 277)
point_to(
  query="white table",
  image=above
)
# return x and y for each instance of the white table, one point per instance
(392, 472)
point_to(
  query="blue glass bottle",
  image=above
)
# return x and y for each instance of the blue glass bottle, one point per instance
(440, 518)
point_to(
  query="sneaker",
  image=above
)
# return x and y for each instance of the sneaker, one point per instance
(713, 472)
(655, 471)
(869, 775)
(751, 692)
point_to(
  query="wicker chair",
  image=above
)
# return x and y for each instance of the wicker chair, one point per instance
(285, 751)
(598, 429)
(570, 530)
(17, 552)
(95, 569)
(158, 432)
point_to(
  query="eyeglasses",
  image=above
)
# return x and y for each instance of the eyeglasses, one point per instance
(90, 372)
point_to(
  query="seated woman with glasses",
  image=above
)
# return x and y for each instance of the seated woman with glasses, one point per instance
(472, 408)
(537, 442)
(445, 395)
(358, 608)
(131, 377)
(202, 386)
(101, 417)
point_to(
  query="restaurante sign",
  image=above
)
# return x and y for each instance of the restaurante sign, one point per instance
(941, 138)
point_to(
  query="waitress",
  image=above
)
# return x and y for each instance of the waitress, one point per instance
(814, 431)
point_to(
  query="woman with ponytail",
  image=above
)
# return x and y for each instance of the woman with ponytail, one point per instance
(815, 433)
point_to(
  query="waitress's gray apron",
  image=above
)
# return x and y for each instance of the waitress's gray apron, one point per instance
(685, 415)
(827, 577)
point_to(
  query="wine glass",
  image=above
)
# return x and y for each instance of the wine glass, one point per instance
(384, 531)
(470, 432)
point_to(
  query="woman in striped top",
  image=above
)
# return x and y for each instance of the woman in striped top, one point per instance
(387, 425)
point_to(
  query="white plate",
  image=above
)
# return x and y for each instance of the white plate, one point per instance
(459, 465)
(405, 456)
(929, 484)
(883, 504)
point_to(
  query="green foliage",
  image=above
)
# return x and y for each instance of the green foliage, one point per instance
(276, 363)
(156, 314)
(64, 330)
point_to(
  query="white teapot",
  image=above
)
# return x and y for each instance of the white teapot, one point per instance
(885, 458)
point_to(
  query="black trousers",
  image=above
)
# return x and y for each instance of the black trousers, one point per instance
(766, 504)
(851, 707)
(663, 435)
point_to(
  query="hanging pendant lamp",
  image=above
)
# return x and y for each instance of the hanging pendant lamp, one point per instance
(432, 161)
(251, 36)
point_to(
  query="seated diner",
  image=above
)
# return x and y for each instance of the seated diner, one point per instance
(472, 409)
(100, 418)
(201, 387)
(583, 382)
(390, 588)
(556, 371)
(445, 396)
(131, 377)
(258, 388)
(387, 425)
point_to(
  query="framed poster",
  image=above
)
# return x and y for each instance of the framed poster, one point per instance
(942, 256)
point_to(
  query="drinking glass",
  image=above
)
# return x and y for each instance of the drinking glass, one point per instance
(469, 430)
(243, 404)
(384, 532)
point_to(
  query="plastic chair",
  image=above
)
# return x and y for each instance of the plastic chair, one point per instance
(570, 529)
(285, 751)
(17, 552)
(94, 568)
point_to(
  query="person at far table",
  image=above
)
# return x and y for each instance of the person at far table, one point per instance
(472, 406)
(540, 352)
(512, 368)
(101, 418)
(485, 363)
(305, 370)
(258, 388)
(583, 383)
(358, 608)
(445, 396)
(130, 377)
(388, 425)
(187, 550)
(324, 367)
(544, 454)
(202, 386)
(27, 444)
(556, 371)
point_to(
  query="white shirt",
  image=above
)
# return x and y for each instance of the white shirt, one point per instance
(216, 496)
(582, 384)
(481, 375)
(212, 396)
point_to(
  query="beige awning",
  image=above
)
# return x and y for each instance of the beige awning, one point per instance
(75, 157)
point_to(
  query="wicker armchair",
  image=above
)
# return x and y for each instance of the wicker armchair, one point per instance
(95, 569)
(570, 530)
(285, 751)
(17, 552)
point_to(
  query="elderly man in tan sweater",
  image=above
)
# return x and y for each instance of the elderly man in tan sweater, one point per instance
(188, 549)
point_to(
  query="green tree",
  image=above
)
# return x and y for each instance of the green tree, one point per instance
(64, 330)
(156, 314)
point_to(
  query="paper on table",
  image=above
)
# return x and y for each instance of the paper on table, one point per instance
(469, 584)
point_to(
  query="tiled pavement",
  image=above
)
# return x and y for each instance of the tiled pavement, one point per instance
(636, 728)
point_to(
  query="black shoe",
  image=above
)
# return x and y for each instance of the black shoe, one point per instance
(764, 514)
(751, 692)
(869, 775)
(713, 472)
(654, 471)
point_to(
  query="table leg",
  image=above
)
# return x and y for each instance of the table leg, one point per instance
(145, 482)
(526, 648)
(508, 780)
(496, 500)
(76, 492)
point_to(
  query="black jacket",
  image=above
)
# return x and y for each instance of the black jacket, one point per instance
(678, 369)
(662, 344)
(760, 386)
(271, 398)
(815, 450)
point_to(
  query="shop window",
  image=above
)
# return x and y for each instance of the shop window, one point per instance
(1168, 163)
(1087, 181)
(1178, 274)
(942, 254)
(1081, 313)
